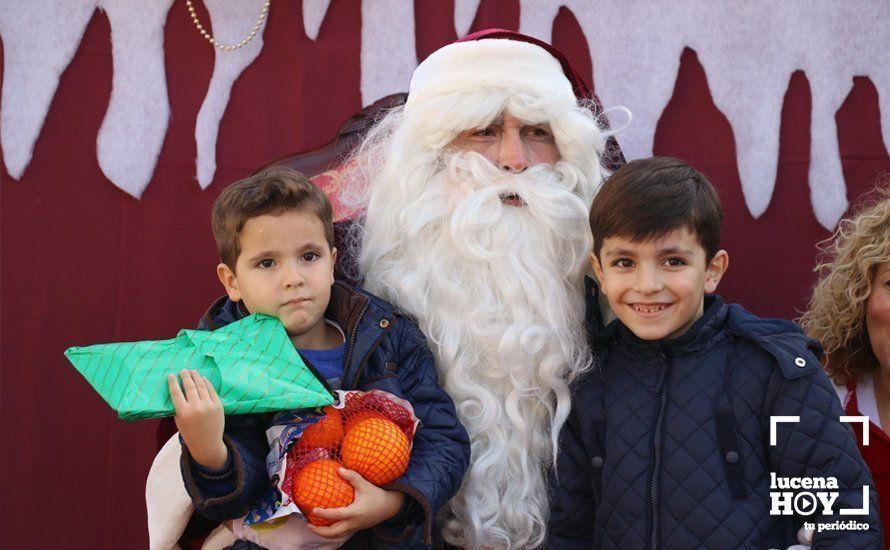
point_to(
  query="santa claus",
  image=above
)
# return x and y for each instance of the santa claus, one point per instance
(477, 226)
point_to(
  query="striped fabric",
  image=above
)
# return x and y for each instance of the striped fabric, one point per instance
(251, 363)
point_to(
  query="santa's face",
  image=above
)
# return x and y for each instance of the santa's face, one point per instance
(510, 144)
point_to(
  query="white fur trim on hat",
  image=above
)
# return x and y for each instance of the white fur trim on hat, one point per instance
(491, 63)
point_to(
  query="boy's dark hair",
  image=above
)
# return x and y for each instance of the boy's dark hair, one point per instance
(647, 198)
(273, 191)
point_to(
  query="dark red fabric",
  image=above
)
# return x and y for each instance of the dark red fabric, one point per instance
(81, 262)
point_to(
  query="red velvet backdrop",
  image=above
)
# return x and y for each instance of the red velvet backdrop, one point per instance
(83, 263)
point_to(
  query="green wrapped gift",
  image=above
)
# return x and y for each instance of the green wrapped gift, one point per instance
(251, 363)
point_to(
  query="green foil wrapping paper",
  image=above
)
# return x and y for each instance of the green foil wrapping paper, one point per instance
(251, 363)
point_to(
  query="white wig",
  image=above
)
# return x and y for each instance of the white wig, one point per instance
(497, 289)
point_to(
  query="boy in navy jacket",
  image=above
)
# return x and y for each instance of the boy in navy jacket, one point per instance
(676, 440)
(274, 235)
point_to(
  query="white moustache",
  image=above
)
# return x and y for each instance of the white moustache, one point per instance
(479, 213)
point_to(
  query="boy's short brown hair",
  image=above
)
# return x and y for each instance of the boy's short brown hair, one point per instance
(272, 191)
(648, 198)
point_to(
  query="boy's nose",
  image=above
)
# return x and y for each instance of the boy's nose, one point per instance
(293, 277)
(647, 281)
(511, 152)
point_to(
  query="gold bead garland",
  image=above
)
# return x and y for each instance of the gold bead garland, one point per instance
(216, 44)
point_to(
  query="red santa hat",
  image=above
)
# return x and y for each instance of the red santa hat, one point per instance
(500, 59)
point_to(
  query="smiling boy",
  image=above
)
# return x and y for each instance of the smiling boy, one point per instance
(668, 441)
(274, 235)
(656, 287)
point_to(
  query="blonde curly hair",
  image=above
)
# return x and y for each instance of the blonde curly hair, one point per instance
(836, 313)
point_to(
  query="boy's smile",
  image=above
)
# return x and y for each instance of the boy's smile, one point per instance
(650, 310)
(657, 288)
(286, 269)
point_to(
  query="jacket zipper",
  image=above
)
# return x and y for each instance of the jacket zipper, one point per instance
(351, 344)
(319, 377)
(656, 467)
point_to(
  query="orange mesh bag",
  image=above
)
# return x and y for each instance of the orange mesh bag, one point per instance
(360, 405)
(359, 416)
(368, 432)
(327, 433)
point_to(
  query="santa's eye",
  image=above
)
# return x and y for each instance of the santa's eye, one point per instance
(484, 132)
(539, 132)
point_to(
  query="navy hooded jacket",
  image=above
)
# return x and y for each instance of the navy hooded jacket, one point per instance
(667, 444)
(385, 351)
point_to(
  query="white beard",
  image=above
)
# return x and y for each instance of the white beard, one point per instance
(498, 291)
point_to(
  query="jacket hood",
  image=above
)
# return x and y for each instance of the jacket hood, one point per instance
(701, 334)
(222, 312)
(796, 353)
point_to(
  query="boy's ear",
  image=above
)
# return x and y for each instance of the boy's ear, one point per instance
(716, 268)
(598, 271)
(228, 280)
(333, 261)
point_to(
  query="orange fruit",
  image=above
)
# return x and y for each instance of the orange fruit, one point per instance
(301, 456)
(318, 485)
(358, 416)
(327, 433)
(378, 402)
(377, 449)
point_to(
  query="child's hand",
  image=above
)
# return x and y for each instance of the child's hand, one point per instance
(372, 506)
(200, 418)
